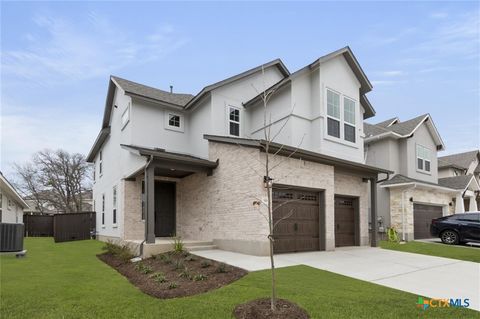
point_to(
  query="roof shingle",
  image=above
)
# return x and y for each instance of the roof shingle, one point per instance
(462, 160)
(455, 182)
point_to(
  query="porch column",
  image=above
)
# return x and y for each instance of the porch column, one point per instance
(459, 207)
(472, 207)
(373, 211)
(150, 205)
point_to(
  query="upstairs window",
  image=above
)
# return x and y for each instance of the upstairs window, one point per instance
(349, 119)
(333, 114)
(234, 121)
(103, 209)
(173, 120)
(94, 170)
(126, 116)
(100, 163)
(423, 159)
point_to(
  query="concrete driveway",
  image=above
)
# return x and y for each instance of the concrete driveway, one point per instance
(430, 276)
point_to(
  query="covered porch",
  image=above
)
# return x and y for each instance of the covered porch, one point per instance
(160, 178)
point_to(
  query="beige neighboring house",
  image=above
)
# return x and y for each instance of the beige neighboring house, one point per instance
(464, 168)
(179, 164)
(12, 204)
(49, 209)
(415, 194)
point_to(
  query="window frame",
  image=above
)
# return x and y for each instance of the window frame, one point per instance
(230, 121)
(103, 211)
(114, 206)
(100, 163)
(423, 159)
(181, 121)
(342, 123)
(126, 111)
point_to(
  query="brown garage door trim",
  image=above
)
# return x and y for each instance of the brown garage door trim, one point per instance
(356, 215)
(321, 208)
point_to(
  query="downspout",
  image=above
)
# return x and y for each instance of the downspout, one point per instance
(149, 161)
(403, 211)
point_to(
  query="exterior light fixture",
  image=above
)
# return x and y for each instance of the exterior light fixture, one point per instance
(411, 199)
(267, 182)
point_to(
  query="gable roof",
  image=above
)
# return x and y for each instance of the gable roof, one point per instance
(458, 182)
(365, 85)
(9, 190)
(388, 122)
(277, 62)
(375, 132)
(130, 87)
(459, 160)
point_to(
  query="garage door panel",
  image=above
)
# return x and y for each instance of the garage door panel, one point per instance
(299, 231)
(344, 222)
(422, 218)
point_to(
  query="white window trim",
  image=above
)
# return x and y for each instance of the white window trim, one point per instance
(341, 139)
(239, 122)
(103, 211)
(100, 163)
(423, 171)
(114, 204)
(127, 110)
(174, 128)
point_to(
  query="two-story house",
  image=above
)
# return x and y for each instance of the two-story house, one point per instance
(415, 194)
(463, 167)
(11, 203)
(192, 165)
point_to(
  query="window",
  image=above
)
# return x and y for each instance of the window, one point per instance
(470, 217)
(9, 204)
(234, 121)
(103, 209)
(114, 199)
(126, 116)
(94, 170)
(173, 120)
(333, 113)
(349, 119)
(100, 164)
(423, 158)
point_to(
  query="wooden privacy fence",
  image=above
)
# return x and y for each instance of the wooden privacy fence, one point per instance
(63, 227)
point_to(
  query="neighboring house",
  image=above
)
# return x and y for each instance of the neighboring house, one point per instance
(178, 164)
(462, 166)
(414, 194)
(11, 203)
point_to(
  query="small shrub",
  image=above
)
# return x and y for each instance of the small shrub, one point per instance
(221, 268)
(190, 258)
(205, 264)
(158, 277)
(200, 277)
(166, 259)
(185, 254)
(122, 252)
(178, 245)
(185, 274)
(172, 285)
(178, 264)
(144, 269)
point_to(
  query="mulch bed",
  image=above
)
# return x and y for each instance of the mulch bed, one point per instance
(172, 275)
(260, 309)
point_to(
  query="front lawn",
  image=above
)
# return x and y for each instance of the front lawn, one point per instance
(67, 280)
(435, 249)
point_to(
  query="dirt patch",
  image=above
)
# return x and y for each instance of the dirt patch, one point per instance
(172, 275)
(260, 309)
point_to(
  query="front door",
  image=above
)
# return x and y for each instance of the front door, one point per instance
(164, 209)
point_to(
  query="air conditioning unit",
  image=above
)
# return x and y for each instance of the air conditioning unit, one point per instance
(11, 237)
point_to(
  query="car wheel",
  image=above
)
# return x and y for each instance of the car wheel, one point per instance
(449, 237)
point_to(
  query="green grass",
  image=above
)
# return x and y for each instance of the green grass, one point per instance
(434, 249)
(66, 280)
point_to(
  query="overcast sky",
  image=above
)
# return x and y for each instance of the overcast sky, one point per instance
(56, 59)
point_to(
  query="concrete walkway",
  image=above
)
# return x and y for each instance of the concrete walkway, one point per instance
(430, 276)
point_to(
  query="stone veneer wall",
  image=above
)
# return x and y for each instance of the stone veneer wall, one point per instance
(352, 185)
(420, 196)
(221, 206)
(134, 226)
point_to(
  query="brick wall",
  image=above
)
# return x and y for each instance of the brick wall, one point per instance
(134, 226)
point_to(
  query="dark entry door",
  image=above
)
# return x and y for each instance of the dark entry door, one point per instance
(422, 218)
(299, 231)
(344, 222)
(164, 209)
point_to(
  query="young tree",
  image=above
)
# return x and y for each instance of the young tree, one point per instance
(55, 178)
